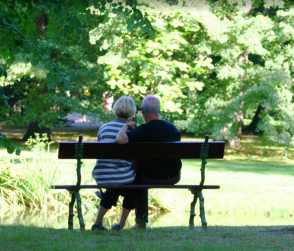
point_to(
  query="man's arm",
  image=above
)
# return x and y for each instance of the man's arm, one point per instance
(122, 137)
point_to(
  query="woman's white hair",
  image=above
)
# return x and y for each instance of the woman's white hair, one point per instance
(124, 107)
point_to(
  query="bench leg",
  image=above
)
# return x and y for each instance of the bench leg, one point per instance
(71, 210)
(202, 210)
(192, 209)
(79, 209)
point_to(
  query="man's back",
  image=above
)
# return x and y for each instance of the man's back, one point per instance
(157, 131)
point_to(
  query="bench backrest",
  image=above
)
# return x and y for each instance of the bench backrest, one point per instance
(142, 150)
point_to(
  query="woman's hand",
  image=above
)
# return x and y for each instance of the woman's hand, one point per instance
(122, 137)
(131, 122)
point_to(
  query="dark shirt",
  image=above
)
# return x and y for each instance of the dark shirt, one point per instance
(157, 131)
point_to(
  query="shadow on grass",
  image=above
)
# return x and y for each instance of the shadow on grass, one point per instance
(260, 167)
(14, 237)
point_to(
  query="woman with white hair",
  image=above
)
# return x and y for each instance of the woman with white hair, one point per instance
(114, 171)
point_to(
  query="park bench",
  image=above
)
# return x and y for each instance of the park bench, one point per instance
(184, 150)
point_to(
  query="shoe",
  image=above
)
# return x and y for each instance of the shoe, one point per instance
(116, 227)
(98, 227)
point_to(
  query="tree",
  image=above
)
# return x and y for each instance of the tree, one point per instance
(48, 65)
(219, 71)
(212, 72)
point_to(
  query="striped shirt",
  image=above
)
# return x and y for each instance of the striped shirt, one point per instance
(112, 171)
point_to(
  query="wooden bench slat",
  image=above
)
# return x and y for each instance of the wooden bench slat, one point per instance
(72, 187)
(141, 150)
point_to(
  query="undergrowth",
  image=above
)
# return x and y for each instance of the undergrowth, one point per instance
(25, 182)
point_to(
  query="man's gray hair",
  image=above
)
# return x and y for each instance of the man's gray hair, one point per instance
(151, 104)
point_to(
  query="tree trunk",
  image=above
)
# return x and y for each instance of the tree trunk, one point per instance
(34, 128)
(252, 127)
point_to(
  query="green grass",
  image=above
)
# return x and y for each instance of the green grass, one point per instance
(248, 196)
(244, 183)
(18, 238)
(256, 190)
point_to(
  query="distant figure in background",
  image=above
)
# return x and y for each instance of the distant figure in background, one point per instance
(107, 101)
(114, 171)
(163, 171)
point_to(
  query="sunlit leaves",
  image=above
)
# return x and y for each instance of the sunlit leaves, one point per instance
(19, 70)
(211, 68)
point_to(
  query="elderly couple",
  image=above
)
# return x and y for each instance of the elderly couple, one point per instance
(122, 130)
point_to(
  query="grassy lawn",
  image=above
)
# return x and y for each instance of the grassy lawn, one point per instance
(17, 238)
(252, 193)
(253, 210)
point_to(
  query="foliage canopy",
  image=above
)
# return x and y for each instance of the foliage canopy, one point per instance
(221, 69)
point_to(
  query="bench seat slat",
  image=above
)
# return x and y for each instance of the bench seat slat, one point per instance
(72, 187)
(141, 150)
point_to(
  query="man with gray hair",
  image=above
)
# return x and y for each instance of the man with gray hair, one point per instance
(163, 171)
